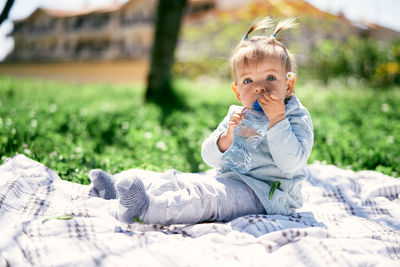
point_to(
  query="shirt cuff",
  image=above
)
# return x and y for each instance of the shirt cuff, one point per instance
(211, 153)
(214, 147)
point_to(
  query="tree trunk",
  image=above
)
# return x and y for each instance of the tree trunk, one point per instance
(6, 10)
(169, 16)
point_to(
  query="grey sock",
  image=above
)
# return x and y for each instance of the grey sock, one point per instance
(103, 184)
(133, 200)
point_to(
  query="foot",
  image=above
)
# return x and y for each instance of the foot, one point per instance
(133, 200)
(102, 184)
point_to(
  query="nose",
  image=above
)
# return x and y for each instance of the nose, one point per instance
(260, 89)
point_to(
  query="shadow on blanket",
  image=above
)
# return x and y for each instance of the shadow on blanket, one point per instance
(348, 218)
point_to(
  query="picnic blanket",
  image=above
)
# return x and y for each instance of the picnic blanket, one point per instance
(348, 219)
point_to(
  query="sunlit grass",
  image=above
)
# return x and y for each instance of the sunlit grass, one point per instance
(74, 128)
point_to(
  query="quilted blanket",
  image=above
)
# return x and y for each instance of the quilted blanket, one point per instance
(348, 219)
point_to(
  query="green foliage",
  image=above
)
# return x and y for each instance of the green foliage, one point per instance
(75, 128)
(365, 59)
(355, 128)
(205, 66)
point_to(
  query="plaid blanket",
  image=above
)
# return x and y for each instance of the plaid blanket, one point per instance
(348, 219)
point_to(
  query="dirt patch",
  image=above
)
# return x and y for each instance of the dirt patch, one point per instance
(80, 72)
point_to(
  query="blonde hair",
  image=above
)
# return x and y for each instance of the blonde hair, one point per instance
(255, 49)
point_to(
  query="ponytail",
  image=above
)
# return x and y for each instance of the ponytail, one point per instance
(267, 23)
(283, 25)
(263, 24)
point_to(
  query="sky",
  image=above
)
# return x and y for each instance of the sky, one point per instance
(381, 12)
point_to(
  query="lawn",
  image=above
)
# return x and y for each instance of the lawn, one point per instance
(74, 128)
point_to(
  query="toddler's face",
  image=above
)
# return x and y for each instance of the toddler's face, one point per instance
(256, 79)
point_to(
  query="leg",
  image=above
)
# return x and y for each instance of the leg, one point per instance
(133, 200)
(102, 184)
(191, 198)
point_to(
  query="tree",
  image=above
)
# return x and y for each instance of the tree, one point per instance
(169, 16)
(6, 11)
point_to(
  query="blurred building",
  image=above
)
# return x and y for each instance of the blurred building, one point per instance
(125, 31)
(119, 31)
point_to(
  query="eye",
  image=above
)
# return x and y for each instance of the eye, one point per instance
(247, 80)
(271, 78)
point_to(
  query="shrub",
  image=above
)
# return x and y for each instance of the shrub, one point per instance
(376, 63)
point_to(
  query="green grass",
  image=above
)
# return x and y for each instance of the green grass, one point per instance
(75, 128)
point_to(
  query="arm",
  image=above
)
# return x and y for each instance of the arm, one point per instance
(226, 138)
(290, 141)
(220, 139)
(209, 150)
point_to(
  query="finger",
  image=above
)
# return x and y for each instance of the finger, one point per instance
(264, 98)
(240, 114)
(269, 96)
(262, 102)
(274, 95)
(233, 124)
(236, 119)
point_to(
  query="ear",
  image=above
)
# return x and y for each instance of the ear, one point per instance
(234, 88)
(290, 86)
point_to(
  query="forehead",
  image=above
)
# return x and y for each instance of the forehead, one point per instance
(265, 64)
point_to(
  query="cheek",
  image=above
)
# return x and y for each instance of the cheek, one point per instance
(278, 86)
(245, 91)
(273, 86)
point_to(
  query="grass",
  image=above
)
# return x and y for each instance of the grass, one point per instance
(74, 128)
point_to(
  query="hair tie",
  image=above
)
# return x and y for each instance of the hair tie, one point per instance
(290, 75)
(245, 37)
(273, 35)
